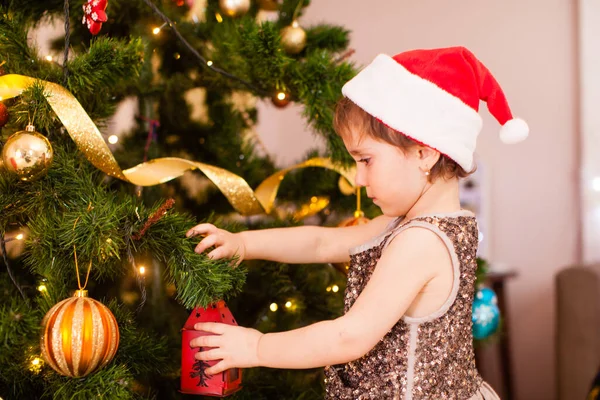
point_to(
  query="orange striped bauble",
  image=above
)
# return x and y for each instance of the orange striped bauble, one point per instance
(80, 335)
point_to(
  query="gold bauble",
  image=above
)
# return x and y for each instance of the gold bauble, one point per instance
(269, 5)
(281, 99)
(357, 219)
(80, 335)
(234, 8)
(293, 38)
(28, 154)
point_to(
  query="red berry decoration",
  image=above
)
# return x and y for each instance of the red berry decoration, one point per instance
(94, 15)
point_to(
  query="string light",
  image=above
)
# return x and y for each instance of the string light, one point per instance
(42, 288)
(112, 139)
(209, 63)
(328, 288)
(335, 288)
(281, 95)
(157, 30)
(218, 17)
(36, 365)
(142, 270)
(20, 236)
(273, 307)
(48, 57)
(288, 304)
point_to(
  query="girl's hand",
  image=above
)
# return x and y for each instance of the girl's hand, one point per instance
(227, 244)
(235, 346)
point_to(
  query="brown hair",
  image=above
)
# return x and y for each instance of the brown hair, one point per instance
(348, 116)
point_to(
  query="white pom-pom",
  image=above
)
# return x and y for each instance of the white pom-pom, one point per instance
(514, 131)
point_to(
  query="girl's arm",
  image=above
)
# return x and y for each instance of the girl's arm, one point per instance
(296, 245)
(310, 244)
(411, 260)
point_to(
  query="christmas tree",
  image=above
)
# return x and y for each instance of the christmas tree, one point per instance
(76, 212)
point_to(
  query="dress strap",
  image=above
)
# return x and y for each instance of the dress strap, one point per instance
(421, 223)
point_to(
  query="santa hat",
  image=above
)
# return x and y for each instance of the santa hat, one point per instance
(432, 96)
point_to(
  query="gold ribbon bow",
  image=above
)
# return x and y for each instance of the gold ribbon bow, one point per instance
(86, 135)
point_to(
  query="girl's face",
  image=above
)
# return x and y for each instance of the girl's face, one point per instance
(393, 178)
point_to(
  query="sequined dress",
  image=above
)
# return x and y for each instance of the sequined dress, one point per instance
(428, 357)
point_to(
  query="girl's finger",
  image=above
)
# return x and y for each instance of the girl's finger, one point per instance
(201, 229)
(206, 341)
(209, 241)
(209, 355)
(211, 327)
(217, 253)
(218, 367)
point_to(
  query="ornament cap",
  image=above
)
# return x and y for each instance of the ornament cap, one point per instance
(30, 128)
(81, 293)
(358, 214)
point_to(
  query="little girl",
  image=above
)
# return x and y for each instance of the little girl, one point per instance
(411, 123)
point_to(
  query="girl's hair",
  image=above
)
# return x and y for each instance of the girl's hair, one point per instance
(348, 116)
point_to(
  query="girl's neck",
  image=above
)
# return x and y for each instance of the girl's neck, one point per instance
(441, 196)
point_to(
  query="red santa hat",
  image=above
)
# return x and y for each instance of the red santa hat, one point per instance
(432, 96)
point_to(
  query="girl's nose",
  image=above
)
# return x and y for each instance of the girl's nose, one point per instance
(359, 179)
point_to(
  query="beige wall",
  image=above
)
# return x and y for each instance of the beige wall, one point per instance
(530, 47)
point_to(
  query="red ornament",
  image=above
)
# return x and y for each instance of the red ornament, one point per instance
(193, 378)
(179, 3)
(94, 15)
(3, 114)
(281, 99)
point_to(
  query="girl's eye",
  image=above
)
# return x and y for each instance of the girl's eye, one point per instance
(365, 161)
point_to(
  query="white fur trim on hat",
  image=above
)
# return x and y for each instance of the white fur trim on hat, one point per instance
(417, 108)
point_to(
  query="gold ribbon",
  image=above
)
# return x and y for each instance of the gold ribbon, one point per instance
(86, 135)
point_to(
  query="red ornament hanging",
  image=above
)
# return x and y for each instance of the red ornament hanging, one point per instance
(3, 114)
(281, 99)
(179, 3)
(193, 378)
(94, 15)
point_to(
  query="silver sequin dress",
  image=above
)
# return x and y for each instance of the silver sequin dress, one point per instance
(430, 357)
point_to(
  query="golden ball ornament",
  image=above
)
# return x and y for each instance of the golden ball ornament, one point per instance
(357, 219)
(269, 5)
(234, 8)
(293, 38)
(80, 335)
(28, 154)
(281, 99)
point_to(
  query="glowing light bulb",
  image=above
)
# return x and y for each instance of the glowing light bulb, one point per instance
(20, 236)
(42, 288)
(142, 270)
(156, 30)
(209, 63)
(288, 304)
(112, 139)
(281, 95)
(335, 288)
(49, 57)
(273, 307)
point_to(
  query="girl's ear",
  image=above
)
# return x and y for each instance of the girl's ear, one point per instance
(428, 157)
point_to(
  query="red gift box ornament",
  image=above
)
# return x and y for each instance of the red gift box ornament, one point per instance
(193, 378)
(94, 15)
